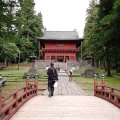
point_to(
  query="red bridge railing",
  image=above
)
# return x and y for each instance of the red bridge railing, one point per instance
(105, 92)
(10, 104)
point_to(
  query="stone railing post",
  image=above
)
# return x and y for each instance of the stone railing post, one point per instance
(27, 80)
(36, 82)
(103, 80)
(95, 82)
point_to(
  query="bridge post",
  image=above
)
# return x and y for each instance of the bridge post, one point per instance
(95, 83)
(27, 80)
(103, 82)
(36, 82)
(0, 101)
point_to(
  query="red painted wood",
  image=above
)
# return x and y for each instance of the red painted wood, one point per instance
(61, 50)
(36, 84)
(17, 99)
(38, 49)
(60, 46)
(67, 50)
(27, 82)
(14, 64)
(108, 93)
(0, 106)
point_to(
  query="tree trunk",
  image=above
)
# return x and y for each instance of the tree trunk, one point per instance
(105, 65)
(118, 67)
(109, 69)
(5, 62)
(108, 62)
(99, 64)
(27, 35)
(94, 62)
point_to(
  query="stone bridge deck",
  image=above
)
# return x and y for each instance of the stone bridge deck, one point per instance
(70, 102)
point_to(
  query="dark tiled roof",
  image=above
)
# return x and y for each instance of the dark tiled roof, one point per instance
(60, 35)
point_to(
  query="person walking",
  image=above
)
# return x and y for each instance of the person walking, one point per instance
(52, 78)
(70, 74)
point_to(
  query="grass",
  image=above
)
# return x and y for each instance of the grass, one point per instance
(87, 84)
(15, 79)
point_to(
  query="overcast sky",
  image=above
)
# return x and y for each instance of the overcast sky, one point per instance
(63, 15)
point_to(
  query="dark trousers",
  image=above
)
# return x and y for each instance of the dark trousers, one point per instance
(51, 86)
(70, 77)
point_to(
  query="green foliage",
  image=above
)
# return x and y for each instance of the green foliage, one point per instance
(102, 32)
(21, 26)
(91, 30)
(9, 51)
(32, 28)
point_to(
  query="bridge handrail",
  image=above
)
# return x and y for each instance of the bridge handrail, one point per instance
(11, 95)
(104, 86)
(106, 92)
(15, 100)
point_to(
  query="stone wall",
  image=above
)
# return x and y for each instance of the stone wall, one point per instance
(61, 65)
(42, 63)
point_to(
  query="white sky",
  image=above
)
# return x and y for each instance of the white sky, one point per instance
(63, 15)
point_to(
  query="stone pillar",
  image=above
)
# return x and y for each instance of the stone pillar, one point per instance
(44, 56)
(36, 82)
(64, 59)
(69, 58)
(103, 80)
(27, 80)
(95, 83)
(55, 58)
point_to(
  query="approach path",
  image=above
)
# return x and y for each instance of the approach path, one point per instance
(70, 102)
(66, 87)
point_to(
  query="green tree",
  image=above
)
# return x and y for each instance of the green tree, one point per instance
(91, 30)
(107, 31)
(19, 25)
(102, 33)
(31, 28)
(9, 52)
(7, 29)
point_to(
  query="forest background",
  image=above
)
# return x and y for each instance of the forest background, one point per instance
(20, 26)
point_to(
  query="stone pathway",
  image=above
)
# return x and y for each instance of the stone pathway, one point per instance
(66, 87)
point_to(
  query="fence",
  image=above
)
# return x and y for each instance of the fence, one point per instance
(10, 104)
(105, 92)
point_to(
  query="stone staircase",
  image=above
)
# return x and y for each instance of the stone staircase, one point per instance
(61, 65)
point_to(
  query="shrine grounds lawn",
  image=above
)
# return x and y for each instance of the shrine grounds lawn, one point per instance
(15, 80)
(87, 84)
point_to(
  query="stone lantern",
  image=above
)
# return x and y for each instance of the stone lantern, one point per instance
(32, 71)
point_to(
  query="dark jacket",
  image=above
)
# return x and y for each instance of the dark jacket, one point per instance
(52, 74)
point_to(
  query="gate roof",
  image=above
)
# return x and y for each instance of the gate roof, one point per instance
(60, 35)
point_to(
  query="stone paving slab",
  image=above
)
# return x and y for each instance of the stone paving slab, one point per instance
(66, 87)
